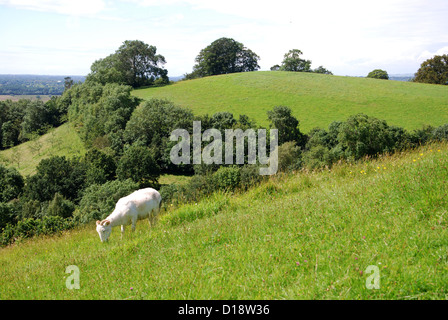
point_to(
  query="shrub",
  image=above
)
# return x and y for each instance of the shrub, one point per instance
(289, 156)
(227, 178)
(98, 201)
(319, 156)
(138, 163)
(441, 133)
(60, 207)
(362, 136)
(249, 176)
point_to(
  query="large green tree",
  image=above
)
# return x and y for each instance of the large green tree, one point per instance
(434, 70)
(134, 63)
(223, 56)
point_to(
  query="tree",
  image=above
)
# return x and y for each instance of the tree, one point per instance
(287, 125)
(378, 74)
(434, 70)
(223, 56)
(134, 63)
(11, 184)
(138, 163)
(68, 83)
(322, 70)
(293, 62)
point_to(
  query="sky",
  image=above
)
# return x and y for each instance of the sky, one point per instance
(348, 37)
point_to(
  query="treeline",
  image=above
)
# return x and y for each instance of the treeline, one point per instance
(25, 119)
(129, 148)
(34, 84)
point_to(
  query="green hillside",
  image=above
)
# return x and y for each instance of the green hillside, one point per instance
(300, 236)
(61, 141)
(316, 99)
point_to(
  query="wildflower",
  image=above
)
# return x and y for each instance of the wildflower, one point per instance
(298, 263)
(438, 150)
(132, 288)
(356, 258)
(421, 154)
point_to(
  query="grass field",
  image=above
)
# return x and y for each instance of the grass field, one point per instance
(316, 99)
(308, 235)
(61, 141)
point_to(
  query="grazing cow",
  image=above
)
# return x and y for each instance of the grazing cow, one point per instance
(141, 204)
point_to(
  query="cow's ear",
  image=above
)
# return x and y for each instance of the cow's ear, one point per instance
(107, 222)
(98, 222)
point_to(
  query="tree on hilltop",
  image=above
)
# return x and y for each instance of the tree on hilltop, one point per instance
(434, 70)
(134, 63)
(378, 74)
(223, 56)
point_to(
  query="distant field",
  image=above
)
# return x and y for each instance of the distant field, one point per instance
(316, 100)
(61, 141)
(44, 98)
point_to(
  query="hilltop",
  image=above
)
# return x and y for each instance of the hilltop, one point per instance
(316, 99)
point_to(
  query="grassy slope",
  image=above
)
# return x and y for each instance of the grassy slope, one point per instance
(316, 100)
(303, 236)
(61, 141)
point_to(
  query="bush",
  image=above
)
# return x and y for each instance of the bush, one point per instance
(289, 156)
(60, 207)
(441, 133)
(362, 136)
(227, 178)
(249, 176)
(98, 201)
(138, 163)
(29, 227)
(319, 156)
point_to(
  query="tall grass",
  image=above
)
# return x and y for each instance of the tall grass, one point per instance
(307, 235)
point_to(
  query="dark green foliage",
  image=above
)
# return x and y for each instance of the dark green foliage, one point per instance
(11, 184)
(227, 178)
(441, 133)
(99, 111)
(378, 74)
(223, 56)
(282, 119)
(56, 175)
(138, 164)
(362, 136)
(289, 156)
(98, 201)
(60, 207)
(152, 123)
(7, 215)
(29, 227)
(101, 167)
(434, 70)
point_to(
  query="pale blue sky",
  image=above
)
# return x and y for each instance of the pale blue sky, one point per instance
(348, 37)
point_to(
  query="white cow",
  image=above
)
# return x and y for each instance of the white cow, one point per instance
(141, 204)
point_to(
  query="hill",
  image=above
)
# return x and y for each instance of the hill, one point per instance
(316, 99)
(61, 141)
(308, 235)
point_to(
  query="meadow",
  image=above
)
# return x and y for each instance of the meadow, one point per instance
(302, 235)
(315, 99)
(61, 141)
